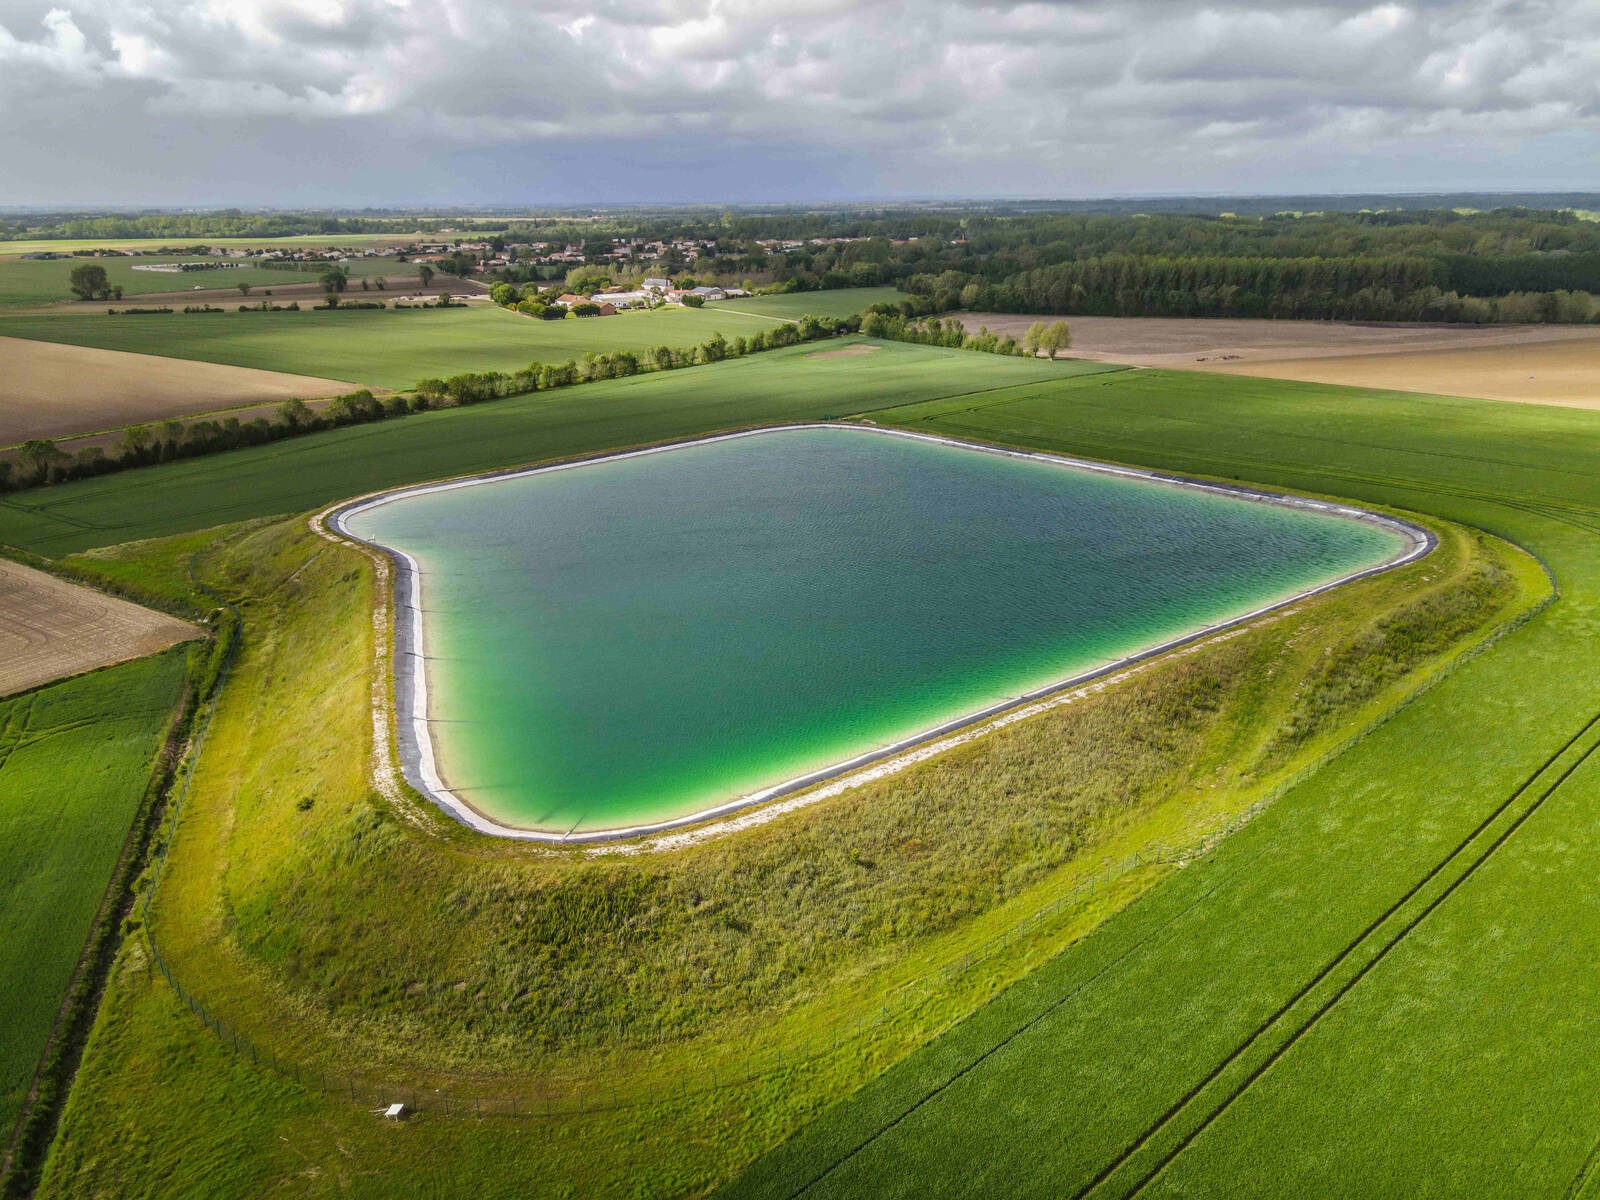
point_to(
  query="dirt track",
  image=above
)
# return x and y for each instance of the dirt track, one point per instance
(48, 390)
(50, 629)
(1536, 364)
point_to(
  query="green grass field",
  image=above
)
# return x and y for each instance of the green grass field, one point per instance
(841, 302)
(1384, 981)
(300, 474)
(330, 240)
(479, 966)
(75, 759)
(388, 349)
(42, 282)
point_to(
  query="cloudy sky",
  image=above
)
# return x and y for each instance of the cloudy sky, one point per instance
(388, 102)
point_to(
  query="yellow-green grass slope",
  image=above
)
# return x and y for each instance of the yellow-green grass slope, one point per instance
(75, 761)
(389, 948)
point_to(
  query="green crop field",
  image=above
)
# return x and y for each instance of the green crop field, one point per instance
(386, 348)
(779, 385)
(840, 302)
(1387, 975)
(30, 282)
(1385, 979)
(75, 759)
(303, 241)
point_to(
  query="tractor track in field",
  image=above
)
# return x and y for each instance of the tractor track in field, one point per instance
(1169, 932)
(1459, 853)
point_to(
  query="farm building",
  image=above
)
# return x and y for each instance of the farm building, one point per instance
(622, 299)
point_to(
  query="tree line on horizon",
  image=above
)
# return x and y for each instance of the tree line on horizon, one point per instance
(1506, 265)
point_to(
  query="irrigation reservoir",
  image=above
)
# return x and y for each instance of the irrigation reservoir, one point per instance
(633, 641)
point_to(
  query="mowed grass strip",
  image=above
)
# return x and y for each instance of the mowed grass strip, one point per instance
(395, 349)
(1381, 982)
(302, 473)
(75, 759)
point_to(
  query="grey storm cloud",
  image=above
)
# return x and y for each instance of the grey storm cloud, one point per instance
(384, 101)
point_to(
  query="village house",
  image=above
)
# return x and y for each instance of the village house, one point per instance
(623, 299)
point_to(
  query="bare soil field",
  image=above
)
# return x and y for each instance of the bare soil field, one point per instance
(50, 629)
(1563, 372)
(49, 390)
(1533, 364)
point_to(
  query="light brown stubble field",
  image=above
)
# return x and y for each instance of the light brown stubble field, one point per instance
(1534, 364)
(50, 629)
(48, 390)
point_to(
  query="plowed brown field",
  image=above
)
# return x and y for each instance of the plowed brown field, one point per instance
(1534, 364)
(48, 390)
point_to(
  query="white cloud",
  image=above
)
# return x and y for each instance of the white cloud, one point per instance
(927, 88)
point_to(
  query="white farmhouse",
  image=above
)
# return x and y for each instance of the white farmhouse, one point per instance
(623, 299)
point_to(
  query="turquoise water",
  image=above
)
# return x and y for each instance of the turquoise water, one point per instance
(636, 639)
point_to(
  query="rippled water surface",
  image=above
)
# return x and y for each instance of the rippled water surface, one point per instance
(633, 640)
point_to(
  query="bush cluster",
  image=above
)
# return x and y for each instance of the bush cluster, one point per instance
(931, 331)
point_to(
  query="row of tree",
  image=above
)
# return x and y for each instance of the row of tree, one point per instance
(41, 461)
(1381, 289)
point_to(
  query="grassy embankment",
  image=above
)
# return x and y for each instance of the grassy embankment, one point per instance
(483, 966)
(1386, 983)
(390, 349)
(75, 764)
